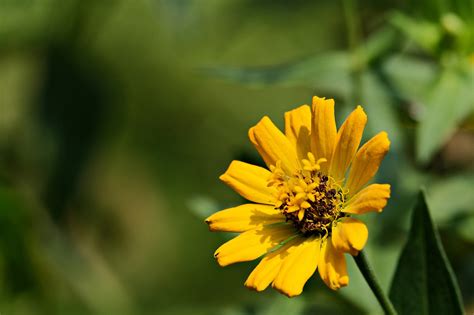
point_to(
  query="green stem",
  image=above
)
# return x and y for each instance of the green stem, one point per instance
(373, 283)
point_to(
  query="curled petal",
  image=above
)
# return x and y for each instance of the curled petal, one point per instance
(332, 266)
(349, 235)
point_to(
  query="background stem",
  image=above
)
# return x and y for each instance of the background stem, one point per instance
(373, 283)
(354, 31)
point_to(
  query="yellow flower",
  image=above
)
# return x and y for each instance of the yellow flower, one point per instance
(301, 216)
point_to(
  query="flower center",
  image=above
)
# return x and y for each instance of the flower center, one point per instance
(311, 200)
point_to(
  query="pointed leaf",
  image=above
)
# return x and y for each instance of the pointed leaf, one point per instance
(424, 282)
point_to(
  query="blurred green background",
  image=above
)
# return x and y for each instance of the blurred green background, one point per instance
(117, 117)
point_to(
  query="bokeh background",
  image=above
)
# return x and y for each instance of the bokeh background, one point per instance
(117, 117)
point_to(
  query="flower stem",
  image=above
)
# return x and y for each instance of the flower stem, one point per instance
(373, 283)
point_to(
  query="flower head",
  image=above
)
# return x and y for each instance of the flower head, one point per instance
(300, 218)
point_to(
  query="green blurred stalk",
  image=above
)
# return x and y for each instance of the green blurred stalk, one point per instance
(353, 24)
(373, 283)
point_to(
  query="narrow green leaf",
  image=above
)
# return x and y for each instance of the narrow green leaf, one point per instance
(329, 72)
(451, 101)
(424, 282)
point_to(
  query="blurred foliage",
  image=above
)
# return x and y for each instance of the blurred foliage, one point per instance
(118, 116)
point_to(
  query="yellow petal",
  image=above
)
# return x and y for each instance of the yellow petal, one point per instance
(250, 182)
(252, 244)
(323, 129)
(269, 266)
(349, 235)
(367, 161)
(298, 267)
(273, 145)
(347, 142)
(244, 217)
(298, 129)
(332, 266)
(372, 198)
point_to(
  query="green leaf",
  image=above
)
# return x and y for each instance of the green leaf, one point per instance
(424, 282)
(451, 101)
(379, 45)
(380, 109)
(329, 72)
(411, 76)
(440, 194)
(424, 33)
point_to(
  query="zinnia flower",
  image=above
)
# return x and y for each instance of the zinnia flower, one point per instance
(301, 215)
